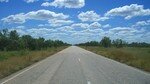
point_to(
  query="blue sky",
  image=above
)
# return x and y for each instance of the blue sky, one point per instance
(76, 21)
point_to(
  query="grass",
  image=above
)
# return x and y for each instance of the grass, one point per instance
(12, 61)
(133, 56)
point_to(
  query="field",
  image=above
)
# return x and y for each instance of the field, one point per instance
(133, 56)
(12, 61)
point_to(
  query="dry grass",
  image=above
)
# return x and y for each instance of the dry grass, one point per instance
(133, 56)
(13, 61)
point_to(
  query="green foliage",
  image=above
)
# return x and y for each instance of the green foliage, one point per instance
(106, 42)
(136, 44)
(11, 41)
(118, 43)
(91, 43)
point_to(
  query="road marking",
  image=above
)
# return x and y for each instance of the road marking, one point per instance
(88, 82)
(21, 73)
(79, 59)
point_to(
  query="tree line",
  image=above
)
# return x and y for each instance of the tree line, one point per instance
(10, 40)
(107, 42)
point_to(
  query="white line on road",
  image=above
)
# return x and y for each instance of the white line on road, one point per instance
(21, 73)
(79, 59)
(88, 82)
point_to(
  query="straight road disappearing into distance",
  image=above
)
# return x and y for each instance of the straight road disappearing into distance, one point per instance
(75, 65)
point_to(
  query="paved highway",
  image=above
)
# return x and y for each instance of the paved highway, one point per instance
(75, 65)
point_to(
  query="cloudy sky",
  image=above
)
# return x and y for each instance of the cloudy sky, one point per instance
(76, 21)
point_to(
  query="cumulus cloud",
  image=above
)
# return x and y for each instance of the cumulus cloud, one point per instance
(86, 25)
(4, 0)
(35, 32)
(91, 16)
(129, 11)
(142, 23)
(104, 18)
(18, 18)
(80, 25)
(30, 1)
(56, 22)
(45, 15)
(65, 3)
(120, 29)
(20, 27)
(68, 29)
(95, 25)
(124, 31)
(47, 33)
(51, 17)
(107, 26)
(39, 30)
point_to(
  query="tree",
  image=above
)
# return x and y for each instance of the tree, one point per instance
(14, 35)
(118, 43)
(106, 42)
(4, 40)
(40, 42)
(136, 44)
(29, 42)
(14, 43)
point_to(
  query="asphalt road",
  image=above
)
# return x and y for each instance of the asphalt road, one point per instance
(78, 66)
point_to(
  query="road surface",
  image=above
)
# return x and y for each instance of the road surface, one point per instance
(75, 65)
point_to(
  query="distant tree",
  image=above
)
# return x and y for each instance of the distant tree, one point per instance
(49, 43)
(4, 40)
(14, 43)
(40, 43)
(118, 43)
(29, 42)
(136, 44)
(14, 35)
(106, 42)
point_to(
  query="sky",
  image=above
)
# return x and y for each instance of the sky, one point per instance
(78, 21)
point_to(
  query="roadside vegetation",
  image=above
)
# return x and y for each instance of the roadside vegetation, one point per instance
(133, 54)
(18, 52)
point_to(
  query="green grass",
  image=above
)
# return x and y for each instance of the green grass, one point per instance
(133, 56)
(4, 55)
(12, 61)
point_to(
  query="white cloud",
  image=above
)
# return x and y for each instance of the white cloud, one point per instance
(56, 22)
(128, 34)
(30, 1)
(142, 23)
(4, 0)
(104, 18)
(91, 16)
(121, 29)
(45, 15)
(39, 30)
(38, 15)
(129, 11)
(41, 25)
(20, 27)
(80, 25)
(95, 25)
(86, 25)
(65, 3)
(18, 18)
(68, 29)
(124, 31)
(106, 26)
